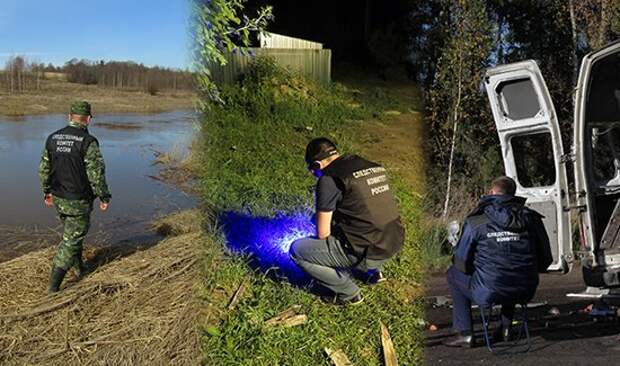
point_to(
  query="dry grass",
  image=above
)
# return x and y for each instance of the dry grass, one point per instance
(182, 222)
(137, 307)
(56, 96)
(398, 143)
(178, 168)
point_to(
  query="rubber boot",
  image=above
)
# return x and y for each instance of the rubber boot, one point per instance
(56, 278)
(80, 269)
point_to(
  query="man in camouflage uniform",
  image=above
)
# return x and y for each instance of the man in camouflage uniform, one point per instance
(72, 173)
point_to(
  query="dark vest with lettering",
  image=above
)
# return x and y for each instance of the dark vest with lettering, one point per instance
(367, 216)
(505, 261)
(66, 149)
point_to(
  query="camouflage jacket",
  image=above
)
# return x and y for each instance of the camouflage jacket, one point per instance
(95, 171)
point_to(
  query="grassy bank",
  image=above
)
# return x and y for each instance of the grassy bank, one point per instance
(252, 163)
(55, 96)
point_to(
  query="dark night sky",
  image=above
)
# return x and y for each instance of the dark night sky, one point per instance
(341, 25)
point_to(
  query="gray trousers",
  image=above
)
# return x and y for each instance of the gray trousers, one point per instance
(327, 261)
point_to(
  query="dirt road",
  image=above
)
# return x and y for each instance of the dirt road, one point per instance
(573, 338)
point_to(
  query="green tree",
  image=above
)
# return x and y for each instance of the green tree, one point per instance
(461, 128)
(429, 30)
(540, 30)
(221, 27)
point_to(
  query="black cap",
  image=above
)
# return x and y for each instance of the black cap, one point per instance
(319, 149)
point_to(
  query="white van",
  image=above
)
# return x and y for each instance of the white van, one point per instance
(533, 155)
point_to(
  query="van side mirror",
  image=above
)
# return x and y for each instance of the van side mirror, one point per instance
(454, 232)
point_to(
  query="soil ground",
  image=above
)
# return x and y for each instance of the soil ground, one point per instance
(56, 97)
(573, 338)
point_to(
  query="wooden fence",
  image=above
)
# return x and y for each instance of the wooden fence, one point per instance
(273, 40)
(312, 63)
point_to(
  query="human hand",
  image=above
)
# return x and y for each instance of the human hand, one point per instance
(48, 200)
(103, 206)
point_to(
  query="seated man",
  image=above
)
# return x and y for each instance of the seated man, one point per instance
(358, 223)
(502, 248)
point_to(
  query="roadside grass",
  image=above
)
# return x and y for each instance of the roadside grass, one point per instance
(381, 99)
(436, 247)
(55, 96)
(251, 161)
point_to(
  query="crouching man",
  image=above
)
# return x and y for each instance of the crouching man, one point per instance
(358, 223)
(502, 248)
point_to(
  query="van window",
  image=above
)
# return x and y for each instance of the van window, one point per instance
(603, 118)
(534, 159)
(605, 152)
(518, 99)
(603, 103)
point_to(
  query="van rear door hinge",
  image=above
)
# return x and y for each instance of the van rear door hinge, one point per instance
(581, 208)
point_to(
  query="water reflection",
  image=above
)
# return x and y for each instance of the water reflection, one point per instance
(128, 143)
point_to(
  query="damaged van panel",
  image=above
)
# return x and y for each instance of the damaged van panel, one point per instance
(532, 148)
(533, 155)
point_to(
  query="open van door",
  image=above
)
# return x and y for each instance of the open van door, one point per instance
(532, 149)
(597, 164)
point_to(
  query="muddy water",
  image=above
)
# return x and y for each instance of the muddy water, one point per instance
(129, 143)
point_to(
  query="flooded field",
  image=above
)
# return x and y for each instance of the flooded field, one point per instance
(130, 144)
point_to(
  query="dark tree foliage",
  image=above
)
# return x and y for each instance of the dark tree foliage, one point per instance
(457, 111)
(540, 30)
(371, 34)
(429, 31)
(221, 26)
(127, 74)
(555, 33)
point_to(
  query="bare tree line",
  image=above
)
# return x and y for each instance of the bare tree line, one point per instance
(115, 74)
(21, 75)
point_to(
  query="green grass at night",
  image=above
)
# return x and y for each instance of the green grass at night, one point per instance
(251, 160)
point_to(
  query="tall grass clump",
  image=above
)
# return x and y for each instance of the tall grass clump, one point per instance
(254, 141)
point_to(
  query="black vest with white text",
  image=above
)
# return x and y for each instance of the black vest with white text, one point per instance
(66, 149)
(367, 215)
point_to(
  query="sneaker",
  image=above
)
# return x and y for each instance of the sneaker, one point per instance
(460, 340)
(376, 277)
(355, 300)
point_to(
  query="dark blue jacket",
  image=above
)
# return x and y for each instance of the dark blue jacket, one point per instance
(503, 246)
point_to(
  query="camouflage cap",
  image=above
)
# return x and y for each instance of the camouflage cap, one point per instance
(81, 108)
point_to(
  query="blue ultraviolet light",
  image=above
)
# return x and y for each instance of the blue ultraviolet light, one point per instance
(267, 240)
